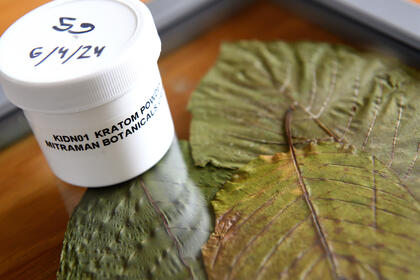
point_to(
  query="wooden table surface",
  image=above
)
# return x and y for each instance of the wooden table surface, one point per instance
(35, 206)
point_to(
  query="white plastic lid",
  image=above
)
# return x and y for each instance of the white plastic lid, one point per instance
(73, 55)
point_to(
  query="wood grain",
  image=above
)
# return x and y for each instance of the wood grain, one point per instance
(35, 206)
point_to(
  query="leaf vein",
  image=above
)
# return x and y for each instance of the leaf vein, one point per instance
(374, 198)
(313, 89)
(375, 114)
(258, 235)
(220, 246)
(395, 139)
(413, 163)
(167, 228)
(362, 186)
(331, 90)
(279, 242)
(369, 206)
(296, 260)
(370, 226)
(383, 263)
(311, 268)
(354, 106)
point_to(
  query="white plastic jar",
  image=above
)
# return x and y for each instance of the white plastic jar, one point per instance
(85, 73)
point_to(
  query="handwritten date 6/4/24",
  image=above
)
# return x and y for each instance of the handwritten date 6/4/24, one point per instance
(63, 54)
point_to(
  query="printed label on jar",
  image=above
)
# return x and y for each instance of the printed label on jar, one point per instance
(131, 124)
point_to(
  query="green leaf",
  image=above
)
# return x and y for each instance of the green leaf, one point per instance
(357, 98)
(150, 227)
(208, 179)
(322, 212)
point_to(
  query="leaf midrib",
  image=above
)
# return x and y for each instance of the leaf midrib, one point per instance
(315, 219)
